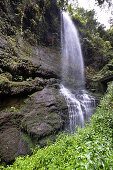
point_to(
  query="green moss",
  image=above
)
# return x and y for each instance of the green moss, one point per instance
(7, 75)
(26, 50)
(1, 71)
(18, 84)
(3, 80)
(28, 140)
(13, 44)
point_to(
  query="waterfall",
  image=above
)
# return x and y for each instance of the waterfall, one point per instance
(79, 102)
(72, 60)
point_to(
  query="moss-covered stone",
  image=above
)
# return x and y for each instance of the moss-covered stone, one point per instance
(26, 67)
(44, 110)
(12, 144)
(24, 87)
(42, 115)
(98, 82)
(105, 74)
(7, 75)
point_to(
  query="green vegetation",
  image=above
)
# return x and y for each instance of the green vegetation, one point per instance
(89, 148)
(106, 72)
(33, 20)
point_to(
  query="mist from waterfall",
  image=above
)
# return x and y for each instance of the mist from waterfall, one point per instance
(79, 102)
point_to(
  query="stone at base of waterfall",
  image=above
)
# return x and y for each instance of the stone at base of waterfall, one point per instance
(12, 144)
(41, 117)
(44, 110)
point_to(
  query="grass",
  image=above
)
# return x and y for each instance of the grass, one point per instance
(91, 148)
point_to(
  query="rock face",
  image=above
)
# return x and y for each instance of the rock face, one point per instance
(26, 71)
(42, 115)
(12, 144)
(29, 68)
(98, 83)
(23, 62)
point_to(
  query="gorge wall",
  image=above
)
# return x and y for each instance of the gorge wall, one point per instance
(31, 108)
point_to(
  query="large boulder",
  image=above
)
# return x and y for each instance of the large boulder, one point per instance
(42, 115)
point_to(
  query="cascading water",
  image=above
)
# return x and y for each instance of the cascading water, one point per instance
(79, 102)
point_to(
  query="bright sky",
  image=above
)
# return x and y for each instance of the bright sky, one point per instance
(103, 14)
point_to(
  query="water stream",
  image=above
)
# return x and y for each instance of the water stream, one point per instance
(79, 102)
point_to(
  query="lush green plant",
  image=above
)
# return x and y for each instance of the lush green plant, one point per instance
(89, 148)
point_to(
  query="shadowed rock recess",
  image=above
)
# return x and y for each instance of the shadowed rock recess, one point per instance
(31, 108)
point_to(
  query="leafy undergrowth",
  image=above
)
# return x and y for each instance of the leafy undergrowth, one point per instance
(89, 148)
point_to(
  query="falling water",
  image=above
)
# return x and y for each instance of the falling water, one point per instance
(79, 102)
(72, 61)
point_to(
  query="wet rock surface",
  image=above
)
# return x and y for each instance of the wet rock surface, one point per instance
(42, 115)
(44, 110)
(26, 69)
(12, 144)
(29, 65)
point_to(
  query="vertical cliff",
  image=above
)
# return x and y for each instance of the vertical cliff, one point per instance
(31, 108)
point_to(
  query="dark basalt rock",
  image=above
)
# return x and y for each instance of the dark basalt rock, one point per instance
(29, 64)
(42, 115)
(12, 144)
(17, 88)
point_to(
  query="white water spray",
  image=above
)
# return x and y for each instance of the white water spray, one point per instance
(79, 103)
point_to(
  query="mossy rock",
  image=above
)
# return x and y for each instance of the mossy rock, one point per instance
(98, 81)
(42, 115)
(43, 112)
(7, 75)
(24, 87)
(12, 144)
